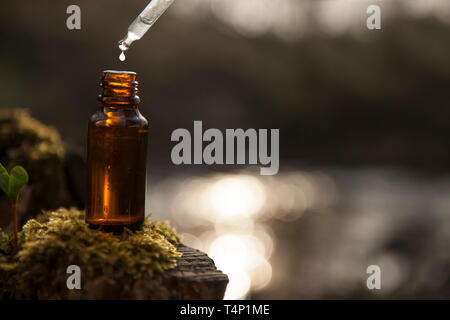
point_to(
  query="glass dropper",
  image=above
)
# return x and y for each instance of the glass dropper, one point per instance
(143, 22)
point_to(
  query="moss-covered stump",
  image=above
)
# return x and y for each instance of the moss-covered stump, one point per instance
(146, 264)
(40, 150)
(195, 277)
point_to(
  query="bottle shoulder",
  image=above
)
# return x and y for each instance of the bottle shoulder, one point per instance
(118, 118)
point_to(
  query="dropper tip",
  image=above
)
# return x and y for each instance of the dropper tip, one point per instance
(123, 45)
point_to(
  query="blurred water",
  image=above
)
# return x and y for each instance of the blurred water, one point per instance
(294, 19)
(312, 233)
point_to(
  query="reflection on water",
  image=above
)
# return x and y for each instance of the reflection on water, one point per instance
(228, 216)
(312, 233)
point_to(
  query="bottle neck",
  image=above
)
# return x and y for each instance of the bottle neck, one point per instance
(118, 90)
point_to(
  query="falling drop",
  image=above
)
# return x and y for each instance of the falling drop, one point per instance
(122, 56)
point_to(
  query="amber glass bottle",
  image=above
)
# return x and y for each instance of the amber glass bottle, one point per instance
(116, 155)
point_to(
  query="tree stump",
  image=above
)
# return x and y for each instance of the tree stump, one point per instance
(195, 277)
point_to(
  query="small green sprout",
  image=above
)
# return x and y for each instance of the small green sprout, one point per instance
(11, 184)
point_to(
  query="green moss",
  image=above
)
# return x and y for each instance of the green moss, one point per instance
(26, 137)
(57, 239)
(40, 150)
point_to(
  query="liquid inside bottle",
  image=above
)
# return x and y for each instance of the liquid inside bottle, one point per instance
(116, 156)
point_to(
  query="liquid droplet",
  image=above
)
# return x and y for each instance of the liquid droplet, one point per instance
(122, 56)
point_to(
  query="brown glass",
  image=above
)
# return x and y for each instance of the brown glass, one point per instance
(116, 155)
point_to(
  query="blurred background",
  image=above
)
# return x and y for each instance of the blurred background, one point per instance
(364, 132)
